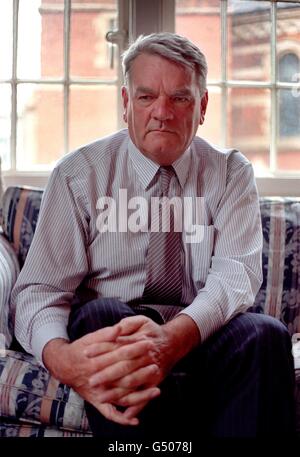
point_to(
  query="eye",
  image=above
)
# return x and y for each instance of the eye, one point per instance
(145, 98)
(180, 99)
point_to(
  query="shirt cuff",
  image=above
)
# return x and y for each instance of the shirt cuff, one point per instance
(43, 335)
(208, 318)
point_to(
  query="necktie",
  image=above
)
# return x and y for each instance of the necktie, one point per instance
(165, 255)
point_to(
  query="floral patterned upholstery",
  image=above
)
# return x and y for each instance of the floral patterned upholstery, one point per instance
(29, 393)
(32, 403)
(9, 270)
(279, 295)
(20, 212)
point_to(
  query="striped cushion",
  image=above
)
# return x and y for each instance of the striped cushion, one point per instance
(21, 430)
(28, 393)
(279, 295)
(21, 207)
(9, 269)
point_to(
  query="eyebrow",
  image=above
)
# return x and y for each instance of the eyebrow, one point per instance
(182, 92)
(143, 90)
(178, 92)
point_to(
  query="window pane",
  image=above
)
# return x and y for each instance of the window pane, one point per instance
(249, 34)
(199, 20)
(289, 130)
(211, 129)
(5, 39)
(289, 113)
(288, 41)
(93, 113)
(40, 44)
(288, 67)
(91, 55)
(249, 125)
(40, 126)
(5, 115)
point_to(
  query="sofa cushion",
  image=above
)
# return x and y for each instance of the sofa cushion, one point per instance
(9, 270)
(18, 429)
(21, 207)
(279, 295)
(29, 394)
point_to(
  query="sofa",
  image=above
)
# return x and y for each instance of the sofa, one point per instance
(33, 403)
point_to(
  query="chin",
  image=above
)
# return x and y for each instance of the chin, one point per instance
(163, 156)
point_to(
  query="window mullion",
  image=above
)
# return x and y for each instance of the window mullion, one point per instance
(14, 111)
(274, 98)
(67, 31)
(123, 27)
(224, 89)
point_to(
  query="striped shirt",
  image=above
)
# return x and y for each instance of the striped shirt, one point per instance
(73, 258)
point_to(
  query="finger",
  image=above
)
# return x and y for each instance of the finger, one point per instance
(95, 349)
(140, 396)
(130, 339)
(112, 413)
(133, 411)
(125, 353)
(147, 376)
(123, 397)
(119, 370)
(144, 376)
(102, 335)
(132, 324)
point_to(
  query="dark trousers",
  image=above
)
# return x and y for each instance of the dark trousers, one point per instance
(238, 383)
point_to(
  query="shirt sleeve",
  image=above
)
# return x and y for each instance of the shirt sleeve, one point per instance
(235, 273)
(55, 265)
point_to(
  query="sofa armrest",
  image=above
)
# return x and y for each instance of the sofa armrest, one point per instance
(21, 206)
(30, 395)
(279, 294)
(9, 270)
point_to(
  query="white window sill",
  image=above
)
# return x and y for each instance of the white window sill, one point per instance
(284, 186)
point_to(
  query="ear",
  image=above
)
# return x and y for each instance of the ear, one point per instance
(125, 102)
(203, 106)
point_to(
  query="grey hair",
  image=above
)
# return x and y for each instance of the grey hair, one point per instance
(172, 47)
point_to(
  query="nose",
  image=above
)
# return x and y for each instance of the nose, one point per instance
(162, 111)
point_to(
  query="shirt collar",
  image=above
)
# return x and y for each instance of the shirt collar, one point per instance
(146, 169)
(182, 165)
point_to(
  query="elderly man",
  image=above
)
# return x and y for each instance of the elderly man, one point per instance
(147, 323)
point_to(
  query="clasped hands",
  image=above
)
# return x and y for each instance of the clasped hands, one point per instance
(118, 366)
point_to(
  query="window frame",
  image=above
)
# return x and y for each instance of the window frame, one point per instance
(132, 22)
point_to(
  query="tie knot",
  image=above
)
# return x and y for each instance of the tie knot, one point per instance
(166, 174)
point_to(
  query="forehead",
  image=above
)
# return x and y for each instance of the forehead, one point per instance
(151, 69)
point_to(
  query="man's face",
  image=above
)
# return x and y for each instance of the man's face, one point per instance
(162, 107)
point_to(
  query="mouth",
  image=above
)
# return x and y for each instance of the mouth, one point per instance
(161, 131)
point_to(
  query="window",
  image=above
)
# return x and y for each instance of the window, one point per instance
(59, 79)
(59, 74)
(253, 50)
